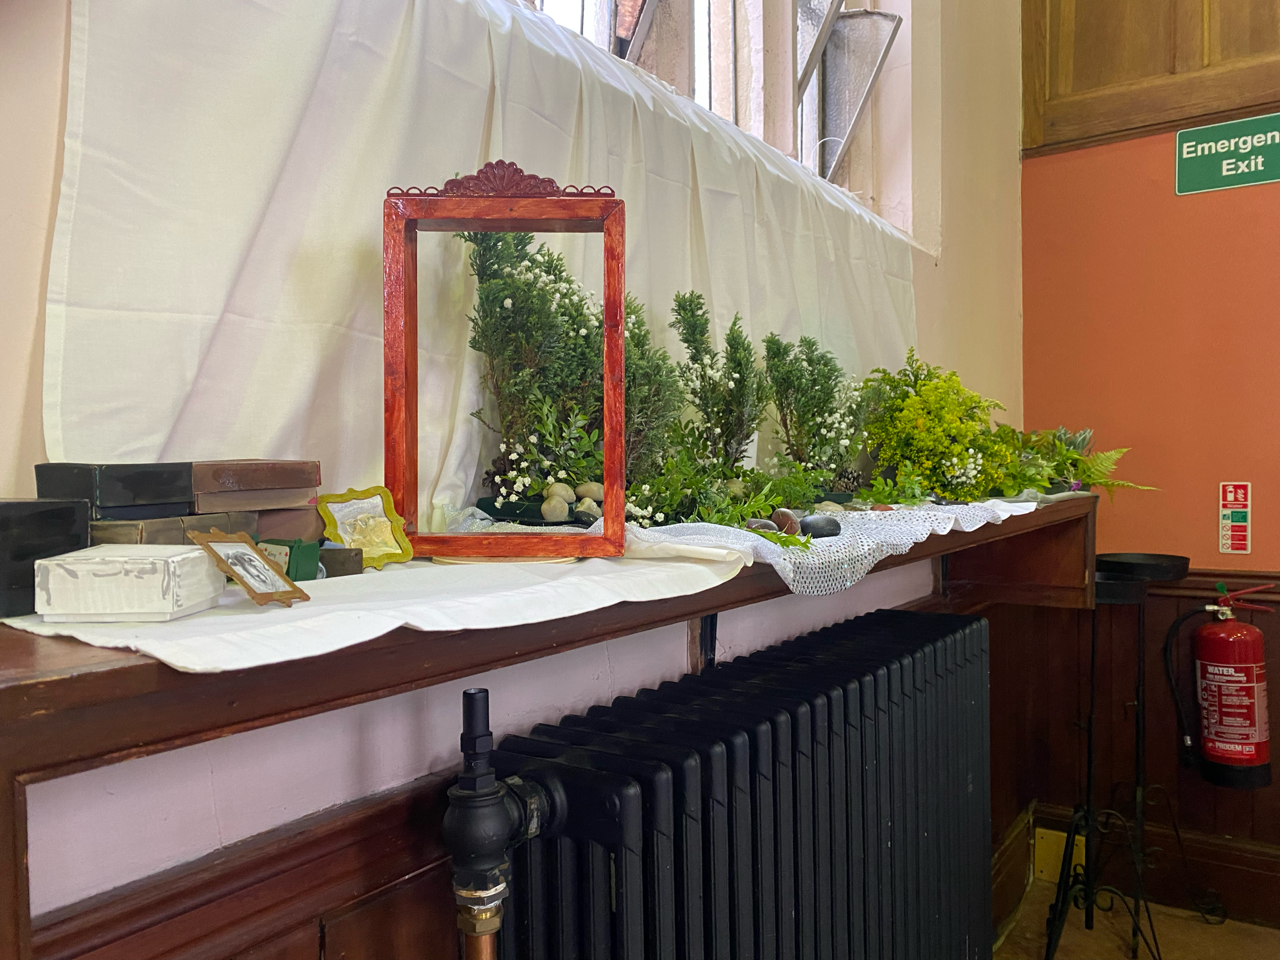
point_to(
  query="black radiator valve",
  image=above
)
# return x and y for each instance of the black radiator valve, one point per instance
(486, 817)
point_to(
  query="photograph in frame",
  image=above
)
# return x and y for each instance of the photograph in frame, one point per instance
(244, 562)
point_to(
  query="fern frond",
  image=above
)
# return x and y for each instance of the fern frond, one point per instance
(1111, 486)
(1097, 467)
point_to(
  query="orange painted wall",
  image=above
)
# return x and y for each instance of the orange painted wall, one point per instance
(1155, 319)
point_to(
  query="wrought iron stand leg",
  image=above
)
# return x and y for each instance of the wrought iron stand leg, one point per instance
(1139, 780)
(1062, 899)
(1090, 810)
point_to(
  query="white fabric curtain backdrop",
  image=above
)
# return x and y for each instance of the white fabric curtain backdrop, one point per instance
(216, 286)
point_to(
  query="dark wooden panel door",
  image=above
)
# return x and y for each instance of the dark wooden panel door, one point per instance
(414, 920)
(301, 943)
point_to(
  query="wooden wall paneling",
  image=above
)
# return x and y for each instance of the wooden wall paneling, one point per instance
(1162, 754)
(1035, 71)
(1056, 632)
(300, 943)
(1266, 803)
(1105, 722)
(1048, 567)
(1115, 69)
(259, 888)
(1113, 42)
(1239, 29)
(1195, 799)
(1124, 681)
(404, 922)
(1013, 747)
(1189, 49)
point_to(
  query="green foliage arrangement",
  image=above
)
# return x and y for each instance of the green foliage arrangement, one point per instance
(1072, 462)
(925, 417)
(726, 389)
(906, 488)
(819, 410)
(688, 425)
(542, 338)
(654, 396)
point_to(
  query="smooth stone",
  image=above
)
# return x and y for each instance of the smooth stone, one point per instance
(881, 506)
(590, 491)
(589, 507)
(820, 525)
(555, 509)
(561, 490)
(762, 524)
(785, 520)
(827, 506)
(736, 488)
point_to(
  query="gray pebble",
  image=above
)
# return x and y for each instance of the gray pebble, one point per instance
(561, 490)
(762, 524)
(590, 491)
(820, 525)
(555, 509)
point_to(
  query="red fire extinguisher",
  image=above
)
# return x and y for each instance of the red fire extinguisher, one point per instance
(1231, 693)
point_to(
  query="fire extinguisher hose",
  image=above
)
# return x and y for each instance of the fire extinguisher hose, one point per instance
(1184, 725)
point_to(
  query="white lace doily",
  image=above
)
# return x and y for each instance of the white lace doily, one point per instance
(830, 565)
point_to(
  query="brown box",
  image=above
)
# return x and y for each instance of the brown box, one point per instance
(302, 524)
(170, 530)
(342, 561)
(216, 476)
(226, 500)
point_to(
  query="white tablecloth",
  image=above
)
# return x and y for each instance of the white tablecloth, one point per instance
(345, 611)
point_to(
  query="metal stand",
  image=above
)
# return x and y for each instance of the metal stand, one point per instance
(1121, 580)
(1077, 886)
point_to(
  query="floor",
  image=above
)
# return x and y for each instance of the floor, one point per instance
(1182, 935)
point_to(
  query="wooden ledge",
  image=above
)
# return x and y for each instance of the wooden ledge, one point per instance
(42, 676)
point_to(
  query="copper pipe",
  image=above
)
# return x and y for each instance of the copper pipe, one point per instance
(484, 947)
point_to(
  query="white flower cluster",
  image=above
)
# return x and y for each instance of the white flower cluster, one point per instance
(523, 473)
(963, 470)
(567, 294)
(837, 437)
(644, 515)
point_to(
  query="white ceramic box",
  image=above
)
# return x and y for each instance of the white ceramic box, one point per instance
(127, 581)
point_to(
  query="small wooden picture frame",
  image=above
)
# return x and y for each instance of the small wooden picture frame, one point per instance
(500, 197)
(239, 558)
(366, 520)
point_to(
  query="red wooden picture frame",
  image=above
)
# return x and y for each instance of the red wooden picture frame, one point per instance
(501, 198)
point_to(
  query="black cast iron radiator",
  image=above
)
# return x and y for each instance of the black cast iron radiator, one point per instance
(827, 797)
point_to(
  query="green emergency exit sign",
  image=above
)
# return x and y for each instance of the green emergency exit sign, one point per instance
(1238, 153)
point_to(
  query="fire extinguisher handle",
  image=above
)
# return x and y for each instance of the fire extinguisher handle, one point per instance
(1230, 599)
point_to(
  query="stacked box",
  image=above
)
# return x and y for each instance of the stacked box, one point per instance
(31, 530)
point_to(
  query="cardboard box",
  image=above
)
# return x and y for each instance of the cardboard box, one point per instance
(120, 491)
(31, 530)
(172, 530)
(127, 582)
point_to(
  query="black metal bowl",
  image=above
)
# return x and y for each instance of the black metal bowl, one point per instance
(1117, 588)
(1156, 567)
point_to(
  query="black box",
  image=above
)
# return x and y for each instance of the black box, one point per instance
(120, 491)
(31, 530)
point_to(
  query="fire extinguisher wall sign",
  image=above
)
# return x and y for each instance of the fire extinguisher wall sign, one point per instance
(1235, 511)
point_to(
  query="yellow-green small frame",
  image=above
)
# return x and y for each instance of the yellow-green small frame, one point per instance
(376, 560)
